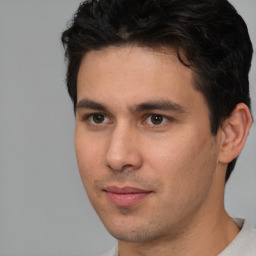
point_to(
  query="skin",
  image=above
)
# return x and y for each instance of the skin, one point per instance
(119, 143)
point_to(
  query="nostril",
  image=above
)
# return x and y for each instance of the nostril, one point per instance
(120, 169)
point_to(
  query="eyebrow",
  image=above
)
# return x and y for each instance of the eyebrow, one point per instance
(90, 104)
(159, 104)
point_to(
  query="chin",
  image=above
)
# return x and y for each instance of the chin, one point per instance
(134, 236)
(136, 231)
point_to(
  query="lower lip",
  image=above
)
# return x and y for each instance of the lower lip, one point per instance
(126, 200)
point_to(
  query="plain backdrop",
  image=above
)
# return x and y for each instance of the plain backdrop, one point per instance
(43, 207)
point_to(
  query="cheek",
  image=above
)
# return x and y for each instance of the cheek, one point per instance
(89, 156)
(89, 169)
(187, 148)
(186, 164)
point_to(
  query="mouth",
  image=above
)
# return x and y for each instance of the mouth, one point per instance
(125, 196)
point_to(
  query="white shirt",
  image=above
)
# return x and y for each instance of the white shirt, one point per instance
(244, 243)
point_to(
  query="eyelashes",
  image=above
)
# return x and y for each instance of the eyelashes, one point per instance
(98, 118)
(155, 119)
(150, 119)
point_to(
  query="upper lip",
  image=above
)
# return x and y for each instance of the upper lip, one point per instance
(125, 190)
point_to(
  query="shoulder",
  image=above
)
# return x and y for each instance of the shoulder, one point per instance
(112, 252)
(244, 243)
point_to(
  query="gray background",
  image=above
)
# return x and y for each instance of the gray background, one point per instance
(43, 206)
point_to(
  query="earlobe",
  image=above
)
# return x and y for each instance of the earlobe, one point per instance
(234, 130)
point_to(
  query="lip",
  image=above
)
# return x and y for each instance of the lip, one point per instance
(125, 196)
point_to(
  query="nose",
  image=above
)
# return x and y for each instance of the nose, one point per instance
(123, 150)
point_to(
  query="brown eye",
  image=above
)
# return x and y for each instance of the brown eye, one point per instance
(97, 118)
(156, 119)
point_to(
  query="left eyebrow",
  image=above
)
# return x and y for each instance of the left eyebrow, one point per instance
(163, 104)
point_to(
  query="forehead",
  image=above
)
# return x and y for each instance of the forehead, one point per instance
(131, 75)
(130, 60)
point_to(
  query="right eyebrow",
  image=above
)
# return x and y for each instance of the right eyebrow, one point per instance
(90, 104)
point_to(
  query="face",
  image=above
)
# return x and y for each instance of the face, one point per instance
(144, 148)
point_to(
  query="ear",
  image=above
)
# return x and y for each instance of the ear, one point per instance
(234, 131)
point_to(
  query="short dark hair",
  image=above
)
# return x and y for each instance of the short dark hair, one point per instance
(210, 34)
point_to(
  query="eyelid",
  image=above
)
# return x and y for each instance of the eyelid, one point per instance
(167, 118)
(86, 118)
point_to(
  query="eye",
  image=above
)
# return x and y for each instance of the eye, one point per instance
(97, 118)
(156, 119)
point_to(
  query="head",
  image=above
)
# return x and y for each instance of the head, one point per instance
(208, 37)
(160, 90)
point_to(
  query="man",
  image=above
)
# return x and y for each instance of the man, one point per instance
(161, 97)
